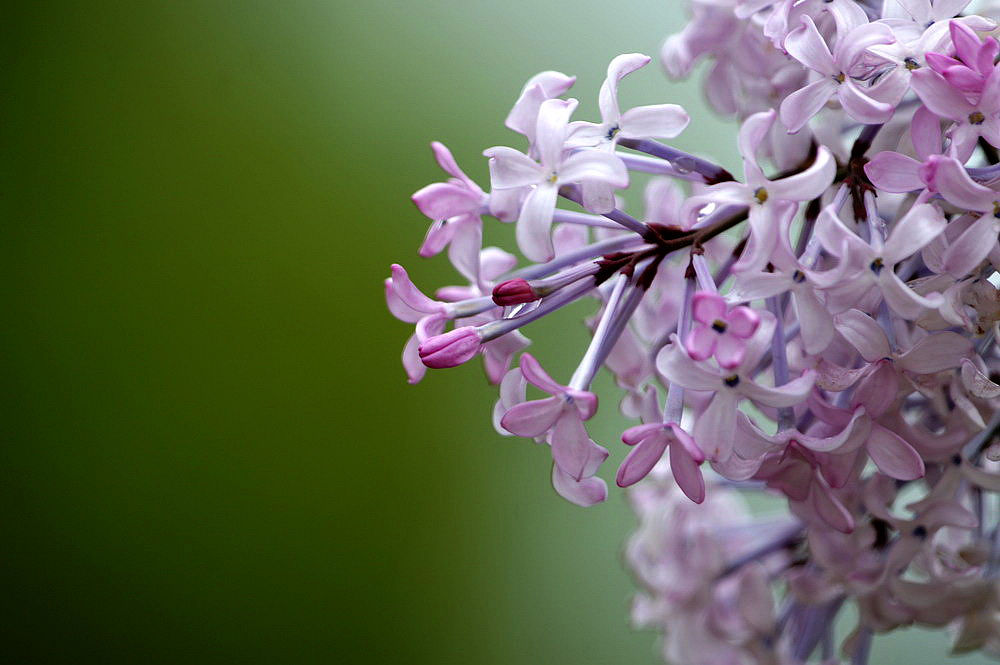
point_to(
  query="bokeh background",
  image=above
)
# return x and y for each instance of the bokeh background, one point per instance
(209, 450)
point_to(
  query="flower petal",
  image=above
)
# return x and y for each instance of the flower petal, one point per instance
(550, 132)
(535, 222)
(864, 334)
(936, 353)
(792, 393)
(642, 458)
(538, 377)
(585, 492)
(807, 45)
(657, 121)
(715, 429)
(534, 418)
(893, 456)
(511, 168)
(810, 183)
(686, 473)
(894, 172)
(919, 226)
(797, 108)
(573, 451)
(970, 249)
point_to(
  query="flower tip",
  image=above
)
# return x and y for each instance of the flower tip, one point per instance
(513, 292)
(450, 349)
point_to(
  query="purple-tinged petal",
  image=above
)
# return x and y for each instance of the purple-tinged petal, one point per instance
(792, 393)
(659, 121)
(443, 200)
(687, 473)
(594, 165)
(752, 133)
(538, 377)
(807, 45)
(550, 134)
(894, 172)
(510, 168)
(534, 418)
(546, 85)
(847, 439)
(415, 370)
(634, 435)
(925, 133)
(398, 308)
(585, 493)
(938, 96)
(902, 299)
(864, 334)
(620, 67)
(919, 226)
(860, 106)
(966, 41)
(810, 183)
(797, 108)
(642, 458)
(893, 456)
(715, 429)
(409, 293)
(757, 286)
(572, 450)
(955, 185)
(829, 509)
(815, 322)
(534, 225)
(877, 390)
(687, 442)
(936, 353)
(970, 249)
(449, 165)
(675, 364)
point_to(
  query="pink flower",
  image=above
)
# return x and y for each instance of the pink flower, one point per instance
(721, 331)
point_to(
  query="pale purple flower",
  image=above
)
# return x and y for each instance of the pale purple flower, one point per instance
(834, 71)
(975, 118)
(510, 169)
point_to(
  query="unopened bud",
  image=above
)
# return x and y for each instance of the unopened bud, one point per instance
(513, 292)
(450, 349)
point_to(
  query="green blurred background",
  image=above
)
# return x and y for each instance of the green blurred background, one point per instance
(210, 452)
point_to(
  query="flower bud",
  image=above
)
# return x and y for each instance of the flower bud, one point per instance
(450, 349)
(513, 292)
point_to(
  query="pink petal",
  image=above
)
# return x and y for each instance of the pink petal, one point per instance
(415, 370)
(707, 307)
(700, 342)
(829, 509)
(955, 185)
(538, 377)
(743, 322)
(938, 96)
(729, 351)
(449, 165)
(936, 353)
(894, 172)
(642, 458)
(877, 390)
(572, 450)
(407, 291)
(586, 492)
(540, 87)
(847, 439)
(893, 456)
(534, 418)
(925, 133)
(443, 200)
(864, 334)
(687, 473)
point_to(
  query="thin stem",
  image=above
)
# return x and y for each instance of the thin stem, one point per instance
(682, 161)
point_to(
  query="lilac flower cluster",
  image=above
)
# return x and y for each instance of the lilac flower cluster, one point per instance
(821, 329)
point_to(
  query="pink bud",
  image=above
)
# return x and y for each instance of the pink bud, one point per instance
(450, 349)
(513, 292)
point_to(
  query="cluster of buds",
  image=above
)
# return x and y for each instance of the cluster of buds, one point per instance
(821, 329)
